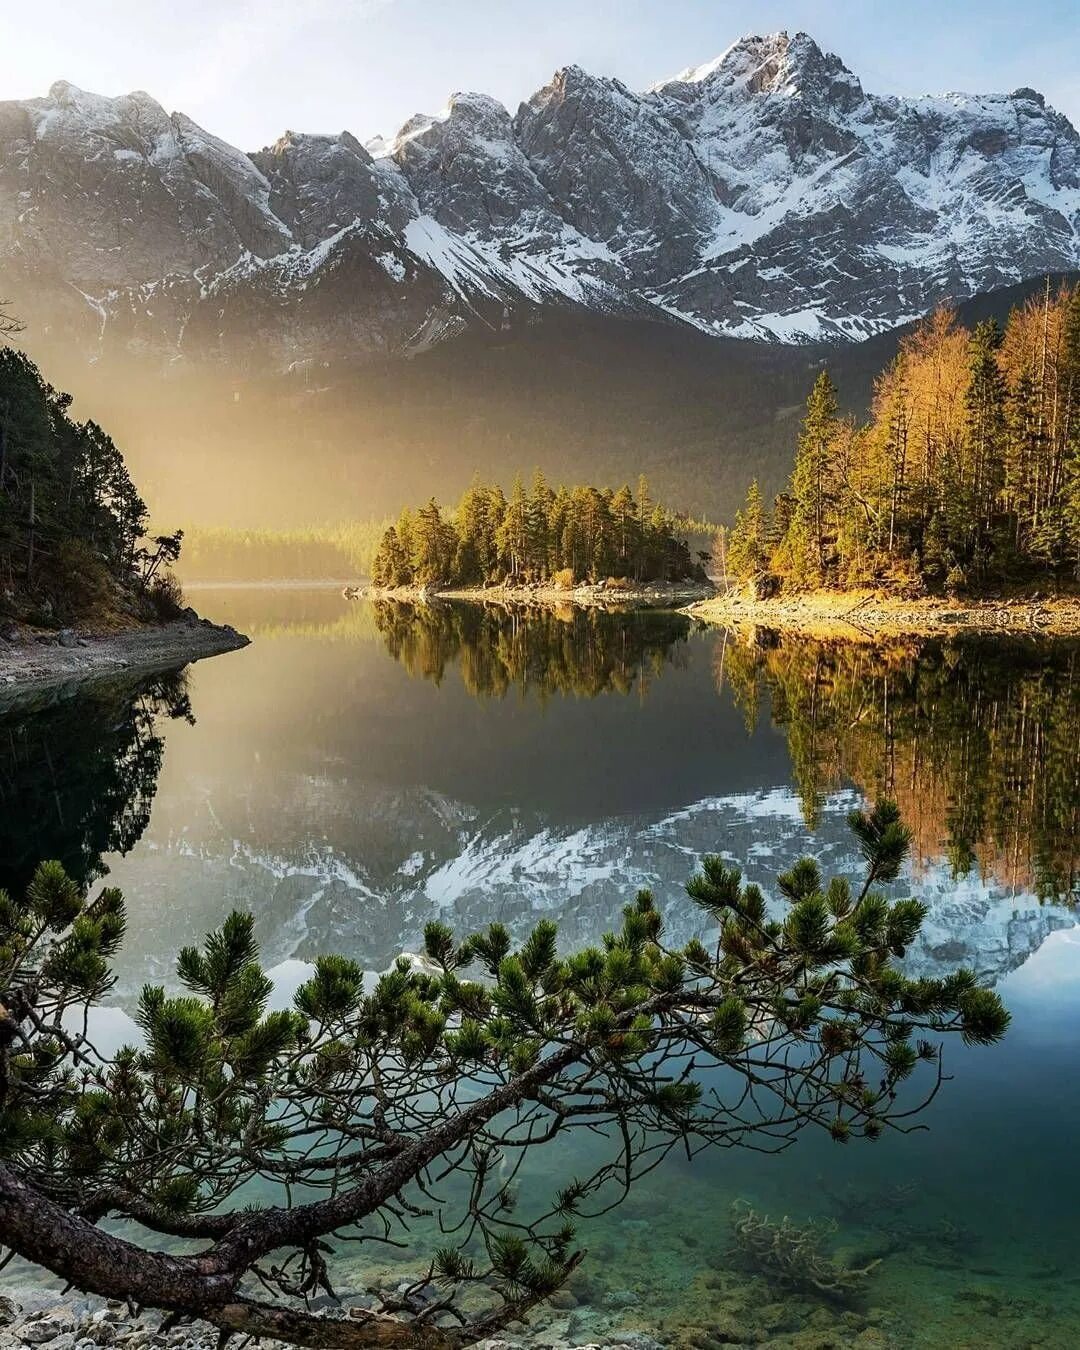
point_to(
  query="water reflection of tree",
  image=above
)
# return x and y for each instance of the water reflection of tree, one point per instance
(544, 651)
(77, 777)
(977, 740)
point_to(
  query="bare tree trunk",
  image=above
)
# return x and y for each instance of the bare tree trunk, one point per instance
(73, 1248)
(30, 540)
(4, 442)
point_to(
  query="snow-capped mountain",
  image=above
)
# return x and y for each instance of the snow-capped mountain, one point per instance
(763, 195)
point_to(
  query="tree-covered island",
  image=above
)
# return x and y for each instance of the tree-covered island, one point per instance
(538, 536)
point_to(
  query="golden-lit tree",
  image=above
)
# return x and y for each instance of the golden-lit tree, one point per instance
(967, 473)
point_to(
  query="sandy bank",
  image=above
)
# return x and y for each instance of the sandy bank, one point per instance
(31, 661)
(659, 595)
(868, 616)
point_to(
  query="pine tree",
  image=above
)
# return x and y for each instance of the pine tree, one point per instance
(598, 532)
(392, 566)
(893, 433)
(559, 531)
(432, 546)
(512, 535)
(500, 1044)
(405, 534)
(538, 537)
(986, 429)
(476, 520)
(626, 532)
(812, 486)
(1025, 450)
(747, 546)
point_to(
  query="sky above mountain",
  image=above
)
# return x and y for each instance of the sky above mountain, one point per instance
(250, 68)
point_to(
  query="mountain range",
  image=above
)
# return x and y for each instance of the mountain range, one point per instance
(628, 281)
(763, 195)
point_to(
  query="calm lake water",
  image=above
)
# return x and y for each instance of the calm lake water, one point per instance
(359, 770)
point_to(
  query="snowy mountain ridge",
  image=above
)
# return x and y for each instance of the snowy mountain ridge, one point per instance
(762, 195)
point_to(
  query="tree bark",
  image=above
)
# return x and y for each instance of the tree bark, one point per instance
(248, 1318)
(44, 1232)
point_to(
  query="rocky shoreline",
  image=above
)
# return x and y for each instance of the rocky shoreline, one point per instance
(78, 1322)
(31, 661)
(599, 595)
(870, 617)
(717, 1309)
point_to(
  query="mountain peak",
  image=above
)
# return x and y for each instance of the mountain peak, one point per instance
(480, 110)
(572, 74)
(63, 91)
(780, 64)
(574, 79)
(572, 85)
(748, 53)
(415, 126)
(99, 106)
(305, 141)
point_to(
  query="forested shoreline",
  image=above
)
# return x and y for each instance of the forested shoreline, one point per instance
(966, 478)
(559, 536)
(73, 527)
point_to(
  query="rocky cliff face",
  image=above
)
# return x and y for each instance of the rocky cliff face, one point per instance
(763, 195)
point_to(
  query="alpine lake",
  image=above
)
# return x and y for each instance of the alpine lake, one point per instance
(364, 767)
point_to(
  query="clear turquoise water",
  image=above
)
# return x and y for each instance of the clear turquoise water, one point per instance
(347, 793)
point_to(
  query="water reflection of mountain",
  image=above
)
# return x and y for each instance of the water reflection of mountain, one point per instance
(78, 774)
(977, 741)
(346, 803)
(368, 868)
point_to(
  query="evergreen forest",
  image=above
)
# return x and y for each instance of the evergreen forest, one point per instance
(539, 534)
